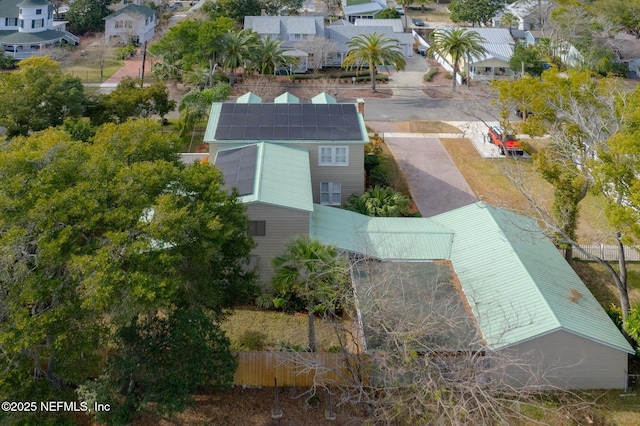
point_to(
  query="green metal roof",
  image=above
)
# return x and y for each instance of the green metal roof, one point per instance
(286, 98)
(385, 238)
(323, 98)
(282, 177)
(517, 283)
(16, 37)
(249, 98)
(132, 9)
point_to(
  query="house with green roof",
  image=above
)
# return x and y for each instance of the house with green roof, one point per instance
(27, 28)
(514, 291)
(333, 134)
(131, 24)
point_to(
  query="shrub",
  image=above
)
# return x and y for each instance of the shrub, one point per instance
(379, 177)
(431, 72)
(125, 52)
(252, 340)
(448, 75)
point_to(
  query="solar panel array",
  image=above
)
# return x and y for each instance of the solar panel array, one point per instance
(288, 122)
(238, 168)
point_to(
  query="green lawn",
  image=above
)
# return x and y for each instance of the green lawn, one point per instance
(88, 69)
(489, 179)
(279, 329)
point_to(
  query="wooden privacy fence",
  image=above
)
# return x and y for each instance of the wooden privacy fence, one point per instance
(290, 368)
(606, 252)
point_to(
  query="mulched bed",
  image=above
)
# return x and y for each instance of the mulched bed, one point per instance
(252, 407)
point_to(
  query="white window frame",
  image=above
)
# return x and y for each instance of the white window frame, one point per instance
(330, 193)
(333, 155)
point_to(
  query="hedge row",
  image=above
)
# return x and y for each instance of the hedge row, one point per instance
(343, 75)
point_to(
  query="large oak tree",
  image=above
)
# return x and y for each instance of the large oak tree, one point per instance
(116, 261)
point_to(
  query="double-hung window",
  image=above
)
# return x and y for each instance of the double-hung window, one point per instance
(330, 193)
(333, 156)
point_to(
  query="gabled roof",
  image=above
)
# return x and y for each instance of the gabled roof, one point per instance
(276, 174)
(517, 283)
(249, 98)
(396, 24)
(286, 98)
(497, 41)
(282, 26)
(384, 238)
(342, 34)
(323, 98)
(234, 123)
(360, 9)
(132, 10)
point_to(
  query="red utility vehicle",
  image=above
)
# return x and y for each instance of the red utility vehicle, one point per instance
(505, 143)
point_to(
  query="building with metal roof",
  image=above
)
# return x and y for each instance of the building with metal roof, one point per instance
(514, 292)
(27, 28)
(499, 46)
(305, 36)
(527, 298)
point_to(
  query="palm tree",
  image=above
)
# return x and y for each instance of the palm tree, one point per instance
(235, 50)
(379, 201)
(196, 104)
(508, 19)
(312, 270)
(457, 44)
(268, 55)
(371, 50)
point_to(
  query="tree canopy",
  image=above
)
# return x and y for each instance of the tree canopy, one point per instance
(38, 95)
(474, 11)
(116, 261)
(87, 15)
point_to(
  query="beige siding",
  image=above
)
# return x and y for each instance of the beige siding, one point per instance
(351, 177)
(573, 362)
(281, 224)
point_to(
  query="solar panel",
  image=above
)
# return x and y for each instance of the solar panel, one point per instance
(303, 121)
(238, 168)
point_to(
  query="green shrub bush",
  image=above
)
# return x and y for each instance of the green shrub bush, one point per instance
(431, 72)
(252, 340)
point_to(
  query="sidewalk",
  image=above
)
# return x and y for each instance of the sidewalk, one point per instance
(132, 68)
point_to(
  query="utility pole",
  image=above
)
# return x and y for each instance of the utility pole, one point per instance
(144, 59)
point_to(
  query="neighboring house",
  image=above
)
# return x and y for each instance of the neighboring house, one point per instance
(132, 24)
(297, 33)
(493, 64)
(27, 28)
(310, 42)
(405, 40)
(362, 9)
(333, 134)
(530, 13)
(533, 36)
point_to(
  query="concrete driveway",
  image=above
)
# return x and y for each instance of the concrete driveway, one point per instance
(436, 184)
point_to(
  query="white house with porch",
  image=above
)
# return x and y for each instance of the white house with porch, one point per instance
(132, 24)
(494, 64)
(27, 28)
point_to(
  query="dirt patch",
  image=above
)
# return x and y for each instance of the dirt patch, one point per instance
(252, 407)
